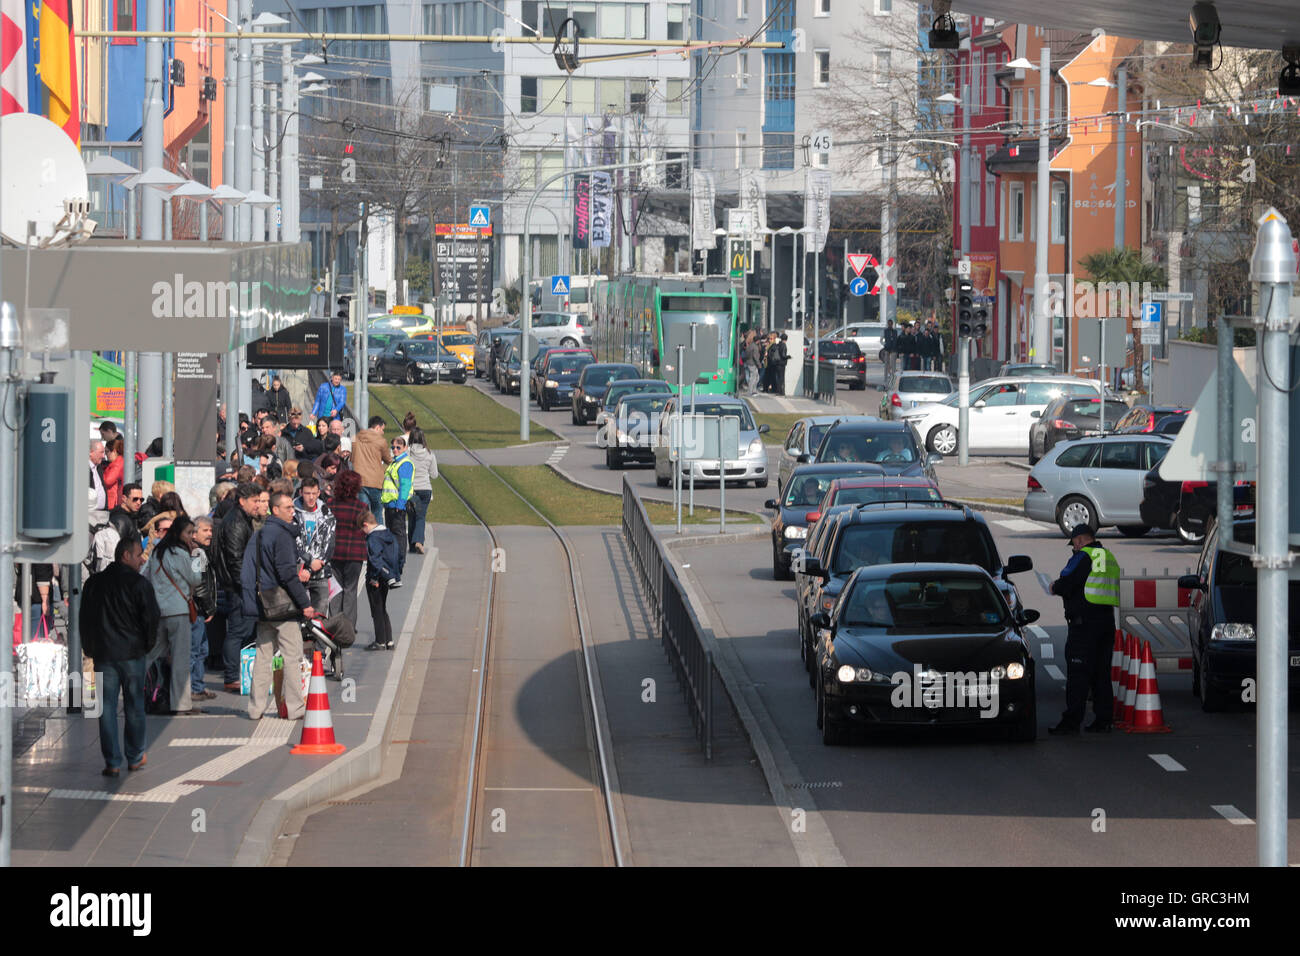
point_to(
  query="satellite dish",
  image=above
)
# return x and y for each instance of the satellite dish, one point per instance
(43, 170)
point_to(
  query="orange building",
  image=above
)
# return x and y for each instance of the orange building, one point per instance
(1084, 168)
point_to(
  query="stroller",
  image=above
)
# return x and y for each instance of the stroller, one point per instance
(331, 635)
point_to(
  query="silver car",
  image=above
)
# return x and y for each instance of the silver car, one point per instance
(800, 445)
(870, 336)
(563, 329)
(1094, 481)
(750, 466)
(906, 390)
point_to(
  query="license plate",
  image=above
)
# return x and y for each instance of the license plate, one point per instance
(914, 404)
(1295, 660)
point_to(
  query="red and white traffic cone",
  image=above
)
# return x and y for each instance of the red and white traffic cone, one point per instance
(1149, 716)
(317, 724)
(1117, 669)
(1130, 682)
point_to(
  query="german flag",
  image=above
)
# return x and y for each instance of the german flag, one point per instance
(58, 67)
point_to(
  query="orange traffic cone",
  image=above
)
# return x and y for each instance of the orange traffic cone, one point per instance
(1131, 682)
(1119, 681)
(317, 724)
(1149, 716)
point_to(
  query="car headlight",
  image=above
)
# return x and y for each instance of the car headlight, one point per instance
(847, 674)
(997, 673)
(793, 531)
(827, 602)
(551, 383)
(755, 448)
(1232, 632)
(1015, 670)
(589, 398)
(424, 365)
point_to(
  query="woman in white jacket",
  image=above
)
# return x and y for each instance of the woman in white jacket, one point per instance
(426, 469)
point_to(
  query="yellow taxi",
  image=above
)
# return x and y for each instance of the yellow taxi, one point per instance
(411, 319)
(460, 343)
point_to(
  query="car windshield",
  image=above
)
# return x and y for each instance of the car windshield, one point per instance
(619, 389)
(457, 338)
(423, 348)
(895, 447)
(928, 603)
(377, 341)
(716, 409)
(600, 376)
(858, 496)
(643, 404)
(930, 384)
(807, 491)
(565, 364)
(901, 541)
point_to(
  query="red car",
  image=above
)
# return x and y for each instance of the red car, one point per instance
(857, 491)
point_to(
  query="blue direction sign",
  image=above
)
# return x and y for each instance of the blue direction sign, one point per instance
(858, 286)
(560, 285)
(480, 217)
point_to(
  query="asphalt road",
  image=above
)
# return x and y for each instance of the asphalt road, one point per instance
(973, 797)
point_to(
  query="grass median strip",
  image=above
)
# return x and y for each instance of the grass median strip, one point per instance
(477, 419)
(780, 424)
(560, 500)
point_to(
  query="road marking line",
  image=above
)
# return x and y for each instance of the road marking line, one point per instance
(1039, 633)
(1053, 671)
(1046, 651)
(538, 789)
(1168, 763)
(1232, 815)
(1020, 524)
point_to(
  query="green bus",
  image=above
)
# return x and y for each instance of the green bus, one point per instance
(635, 311)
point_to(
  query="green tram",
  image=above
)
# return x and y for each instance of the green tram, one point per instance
(634, 311)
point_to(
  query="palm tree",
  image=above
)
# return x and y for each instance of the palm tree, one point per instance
(1125, 265)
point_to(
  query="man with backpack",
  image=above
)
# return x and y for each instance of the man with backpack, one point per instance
(119, 625)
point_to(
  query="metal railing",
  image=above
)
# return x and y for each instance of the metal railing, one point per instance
(822, 385)
(675, 621)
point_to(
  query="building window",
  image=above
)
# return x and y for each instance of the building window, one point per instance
(551, 95)
(742, 143)
(1059, 212)
(537, 167)
(1002, 209)
(742, 9)
(528, 94)
(585, 16)
(884, 7)
(612, 95)
(1018, 107)
(123, 19)
(673, 97)
(674, 173)
(991, 62)
(583, 92)
(778, 150)
(822, 8)
(1058, 103)
(882, 68)
(534, 15)
(742, 70)
(637, 93)
(821, 67)
(1029, 214)
(1017, 212)
(1031, 117)
(676, 21)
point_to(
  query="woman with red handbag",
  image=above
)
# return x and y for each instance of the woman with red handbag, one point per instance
(174, 575)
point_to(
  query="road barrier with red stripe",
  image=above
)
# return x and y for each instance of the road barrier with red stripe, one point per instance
(1153, 607)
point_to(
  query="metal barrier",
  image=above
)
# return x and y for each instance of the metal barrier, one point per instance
(679, 629)
(1153, 607)
(821, 386)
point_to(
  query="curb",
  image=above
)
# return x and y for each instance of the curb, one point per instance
(992, 509)
(693, 539)
(362, 764)
(659, 501)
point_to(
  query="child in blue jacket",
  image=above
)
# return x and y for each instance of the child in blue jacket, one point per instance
(381, 577)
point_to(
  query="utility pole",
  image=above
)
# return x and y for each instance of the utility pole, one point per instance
(1273, 269)
(963, 341)
(363, 322)
(290, 228)
(11, 357)
(259, 140)
(241, 394)
(1121, 130)
(1042, 346)
(151, 384)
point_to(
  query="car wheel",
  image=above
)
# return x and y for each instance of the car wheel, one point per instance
(1133, 530)
(1075, 511)
(569, 342)
(943, 440)
(1185, 534)
(613, 459)
(834, 733)
(1196, 679)
(410, 376)
(1212, 701)
(780, 570)
(663, 482)
(760, 483)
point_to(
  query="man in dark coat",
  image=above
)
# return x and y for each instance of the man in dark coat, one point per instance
(228, 546)
(270, 562)
(119, 624)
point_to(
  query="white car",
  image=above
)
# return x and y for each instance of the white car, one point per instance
(750, 466)
(1000, 413)
(870, 337)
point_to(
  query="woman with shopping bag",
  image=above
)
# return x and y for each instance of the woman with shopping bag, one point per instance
(174, 575)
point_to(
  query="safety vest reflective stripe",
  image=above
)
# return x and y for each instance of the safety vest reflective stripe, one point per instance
(1102, 586)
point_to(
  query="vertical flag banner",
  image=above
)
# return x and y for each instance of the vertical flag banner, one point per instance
(602, 210)
(702, 193)
(15, 73)
(58, 67)
(753, 196)
(581, 210)
(817, 205)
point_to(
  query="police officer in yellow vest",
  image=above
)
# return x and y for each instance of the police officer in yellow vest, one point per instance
(1089, 588)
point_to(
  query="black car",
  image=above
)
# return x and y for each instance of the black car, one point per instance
(1188, 506)
(633, 428)
(413, 361)
(560, 371)
(923, 645)
(1070, 417)
(850, 364)
(891, 532)
(892, 445)
(1142, 419)
(615, 391)
(507, 370)
(589, 392)
(500, 340)
(1221, 619)
(803, 494)
(538, 365)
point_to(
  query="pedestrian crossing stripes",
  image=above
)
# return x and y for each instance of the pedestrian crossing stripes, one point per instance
(1168, 763)
(1054, 672)
(558, 455)
(1232, 815)
(1022, 524)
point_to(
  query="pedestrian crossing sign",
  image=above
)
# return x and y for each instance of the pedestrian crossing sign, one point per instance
(559, 285)
(480, 217)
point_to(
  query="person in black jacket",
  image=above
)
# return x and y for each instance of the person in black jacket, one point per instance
(271, 562)
(278, 401)
(889, 345)
(119, 624)
(381, 577)
(203, 627)
(229, 543)
(125, 517)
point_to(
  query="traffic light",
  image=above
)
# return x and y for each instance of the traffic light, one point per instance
(981, 320)
(965, 306)
(177, 72)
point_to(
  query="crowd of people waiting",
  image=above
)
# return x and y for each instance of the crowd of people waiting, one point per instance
(296, 516)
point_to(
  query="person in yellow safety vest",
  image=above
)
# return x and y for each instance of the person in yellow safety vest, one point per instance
(394, 494)
(1089, 588)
